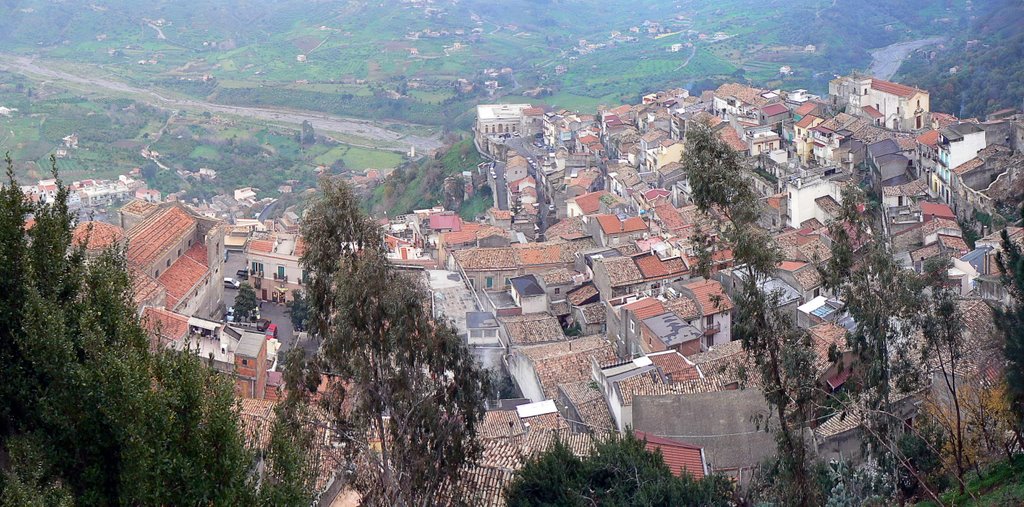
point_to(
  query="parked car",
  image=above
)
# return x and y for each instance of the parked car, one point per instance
(242, 274)
(271, 331)
(231, 283)
(265, 324)
(229, 314)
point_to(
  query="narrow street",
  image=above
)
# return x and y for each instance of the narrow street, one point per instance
(274, 311)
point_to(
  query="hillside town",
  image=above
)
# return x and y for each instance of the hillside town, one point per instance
(580, 285)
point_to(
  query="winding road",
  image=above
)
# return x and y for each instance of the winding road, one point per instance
(366, 129)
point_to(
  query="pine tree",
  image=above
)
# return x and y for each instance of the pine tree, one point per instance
(88, 415)
(409, 394)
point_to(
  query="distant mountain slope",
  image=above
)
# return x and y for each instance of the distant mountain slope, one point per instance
(429, 62)
(988, 63)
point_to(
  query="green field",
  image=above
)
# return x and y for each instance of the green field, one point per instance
(402, 60)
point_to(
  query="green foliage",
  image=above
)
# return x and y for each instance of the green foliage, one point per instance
(402, 375)
(245, 303)
(997, 485)
(298, 310)
(421, 184)
(990, 71)
(1010, 321)
(88, 415)
(780, 352)
(620, 471)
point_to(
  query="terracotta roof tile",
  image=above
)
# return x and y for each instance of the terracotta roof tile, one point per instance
(711, 296)
(580, 295)
(807, 121)
(622, 271)
(590, 203)
(157, 234)
(680, 457)
(611, 224)
(894, 88)
(163, 325)
(500, 424)
(184, 274)
(532, 329)
(589, 404)
(645, 308)
(805, 108)
(567, 361)
(94, 235)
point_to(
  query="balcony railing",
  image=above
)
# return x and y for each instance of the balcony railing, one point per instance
(280, 278)
(712, 329)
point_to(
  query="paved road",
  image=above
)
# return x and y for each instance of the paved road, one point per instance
(324, 122)
(274, 312)
(886, 61)
(533, 155)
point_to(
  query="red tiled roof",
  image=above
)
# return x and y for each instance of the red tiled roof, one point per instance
(675, 366)
(158, 233)
(711, 296)
(807, 121)
(184, 274)
(651, 266)
(937, 210)
(445, 221)
(590, 203)
(791, 265)
(679, 457)
(163, 324)
(894, 88)
(774, 109)
(646, 308)
(805, 109)
(730, 137)
(871, 111)
(611, 224)
(95, 235)
(261, 245)
(930, 138)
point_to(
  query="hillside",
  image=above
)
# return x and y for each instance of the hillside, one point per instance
(429, 62)
(988, 63)
(422, 184)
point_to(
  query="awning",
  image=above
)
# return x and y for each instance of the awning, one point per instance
(282, 290)
(203, 323)
(839, 378)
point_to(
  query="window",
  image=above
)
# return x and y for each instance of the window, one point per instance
(557, 290)
(157, 275)
(709, 320)
(190, 242)
(280, 272)
(508, 281)
(632, 326)
(489, 282)
(168, 263)
(179, 252)
(245, 362)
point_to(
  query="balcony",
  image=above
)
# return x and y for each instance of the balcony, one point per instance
(280, 278)
(713, 329)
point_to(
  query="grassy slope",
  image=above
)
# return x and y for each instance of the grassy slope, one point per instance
(1003, 484)
(417, 184)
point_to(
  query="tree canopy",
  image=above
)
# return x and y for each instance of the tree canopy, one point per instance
(88, 414)
(620, 471)
(408, 394)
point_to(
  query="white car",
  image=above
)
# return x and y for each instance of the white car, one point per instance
(231, 283)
